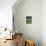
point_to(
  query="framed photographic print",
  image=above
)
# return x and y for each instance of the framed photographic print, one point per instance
(28, 19)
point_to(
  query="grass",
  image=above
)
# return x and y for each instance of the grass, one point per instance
(28, 21)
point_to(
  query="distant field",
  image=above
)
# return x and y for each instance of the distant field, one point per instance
(28, 21)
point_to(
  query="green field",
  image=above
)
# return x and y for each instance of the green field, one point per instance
(28, 21)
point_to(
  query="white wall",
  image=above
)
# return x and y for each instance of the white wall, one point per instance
(6, 13)
(43, 22)
(29, 8)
